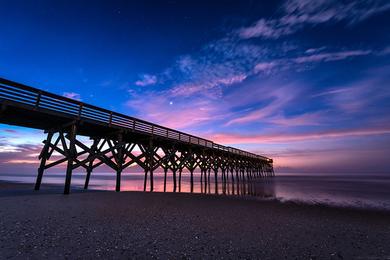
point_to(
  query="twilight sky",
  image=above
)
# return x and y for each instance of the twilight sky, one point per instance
(304, 82)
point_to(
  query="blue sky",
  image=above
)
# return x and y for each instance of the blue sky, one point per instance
(304, 82)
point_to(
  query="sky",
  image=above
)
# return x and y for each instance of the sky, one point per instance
(303, 82)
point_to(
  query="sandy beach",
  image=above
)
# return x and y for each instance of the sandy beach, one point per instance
(47, 224)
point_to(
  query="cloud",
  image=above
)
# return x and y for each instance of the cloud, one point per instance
(331, 56)
(265, 67)
(175, 113)
(266, 104)
(315, 50)
(361, 96)
(209, 88)
(72, 95)
(244, 91)
(12, 131)
(265, 28)
(295, 137)
(146, 80)
(344, 159)
(216, 66)
(295, 14)
(313, 56)
(306, 119)
(274, 96)
(384, 51)
(10, 152)
(232, 59)
(209, 77)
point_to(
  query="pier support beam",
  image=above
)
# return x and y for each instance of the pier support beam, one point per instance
(91, 159)
(180, 171)
(201, 180)
(89, 171)
(118, 180)
(151, 163)
(232, 178)
(174, 180)
(145, 178)
(223, 181)
(243, 172)
(119, 163)
(209, 180)
(237, 181)
(71, 156)
(165, 179)
(43, 156)
(192, 179)
(216, 180)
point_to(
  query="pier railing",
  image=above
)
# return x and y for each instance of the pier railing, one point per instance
(36, 98)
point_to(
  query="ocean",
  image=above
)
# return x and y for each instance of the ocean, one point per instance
(355, 191)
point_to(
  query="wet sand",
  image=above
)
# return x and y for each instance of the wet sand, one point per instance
(47, 224)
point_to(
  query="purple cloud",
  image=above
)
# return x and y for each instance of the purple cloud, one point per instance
(331, 56)
(146, 80)
(295, 14)
(72, 95)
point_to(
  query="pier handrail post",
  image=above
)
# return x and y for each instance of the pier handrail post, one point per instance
(38, 99)
(110, 119)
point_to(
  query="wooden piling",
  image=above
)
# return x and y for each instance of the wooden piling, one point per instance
(145, 179)
(216, 180)
(71, 156)
(87, 177)
(174, 180)
(192, 179)
(43, 156)
(180, 171)
(118, 180)
(165, 179)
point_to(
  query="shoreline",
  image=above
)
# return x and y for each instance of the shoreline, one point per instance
(124, 225)
(28, 189)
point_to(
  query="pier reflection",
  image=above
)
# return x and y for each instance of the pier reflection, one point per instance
(257, 187)
(205, 184)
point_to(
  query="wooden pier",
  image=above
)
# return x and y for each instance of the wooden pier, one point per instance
(120, 141)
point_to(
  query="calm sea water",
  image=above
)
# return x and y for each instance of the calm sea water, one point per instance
(361, 191)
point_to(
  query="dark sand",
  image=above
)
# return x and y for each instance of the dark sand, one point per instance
(154, 225)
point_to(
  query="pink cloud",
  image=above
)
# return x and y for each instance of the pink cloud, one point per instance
(300, 120)
(175, 114)
(294, 137)
(72, 95)
(340, 160)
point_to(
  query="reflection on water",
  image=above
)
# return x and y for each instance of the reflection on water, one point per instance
(359, 191)
(352, 191)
